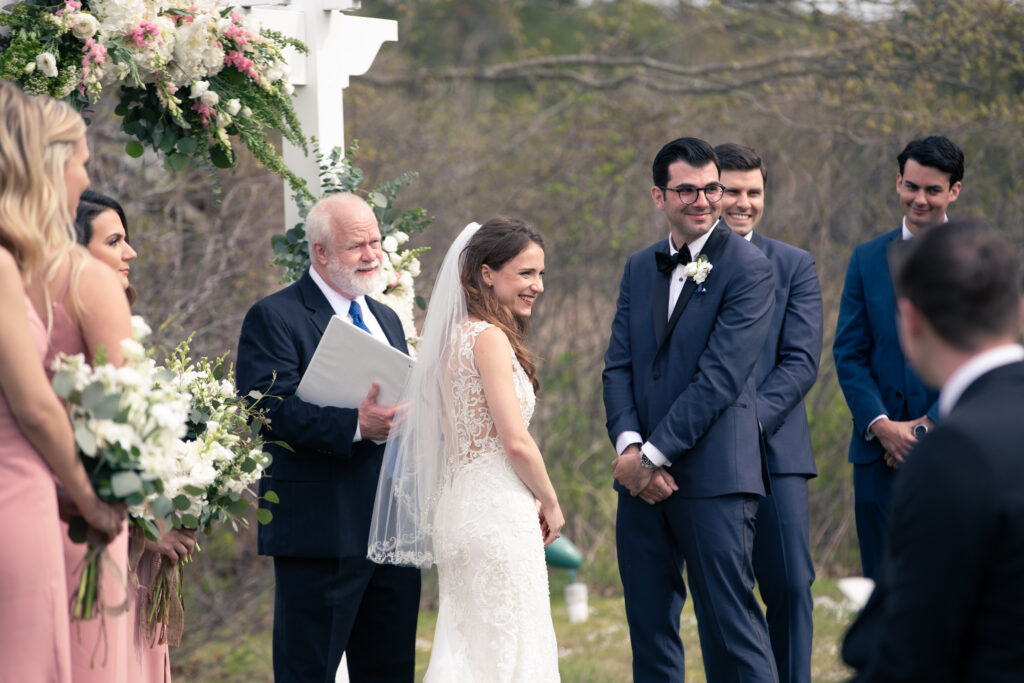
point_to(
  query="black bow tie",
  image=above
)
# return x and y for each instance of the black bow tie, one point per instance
(667, 262)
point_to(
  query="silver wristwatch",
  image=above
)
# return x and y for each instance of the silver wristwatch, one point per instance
(646, 463)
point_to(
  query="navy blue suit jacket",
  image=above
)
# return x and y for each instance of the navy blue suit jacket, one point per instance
(686, 383)
(875, 377)
(327, 485)
(788, 365)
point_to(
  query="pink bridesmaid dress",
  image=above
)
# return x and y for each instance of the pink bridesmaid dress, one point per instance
(34, 635)
(99, 648)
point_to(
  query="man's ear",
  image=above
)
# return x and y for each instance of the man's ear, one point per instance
(319, 253)
(954, 191)
(658, 195)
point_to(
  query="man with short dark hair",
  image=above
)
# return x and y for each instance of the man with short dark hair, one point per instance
(693, 312)
(891, 407)
(785, 372)
(949, 602)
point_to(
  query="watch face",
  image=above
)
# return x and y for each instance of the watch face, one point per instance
(920, 430)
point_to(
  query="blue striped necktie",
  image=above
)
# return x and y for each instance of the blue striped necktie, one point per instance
(357, 317)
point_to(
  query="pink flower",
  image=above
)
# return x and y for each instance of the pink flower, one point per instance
(205, 113)
(142, 33)
(236, 59)
(73, 5)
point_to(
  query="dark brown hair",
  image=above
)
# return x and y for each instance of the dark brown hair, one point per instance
(91, 205)
(497, 242)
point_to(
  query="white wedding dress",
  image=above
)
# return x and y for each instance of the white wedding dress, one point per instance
(494, 621)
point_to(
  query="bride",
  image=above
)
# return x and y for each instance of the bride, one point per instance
(463, 483)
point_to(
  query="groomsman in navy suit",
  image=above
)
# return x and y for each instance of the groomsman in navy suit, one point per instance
(693, 312)
(328, 598)
(785, 372)
(949, 602)
(890, 405)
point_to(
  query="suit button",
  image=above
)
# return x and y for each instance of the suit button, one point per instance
(899, 394)
(657, 376)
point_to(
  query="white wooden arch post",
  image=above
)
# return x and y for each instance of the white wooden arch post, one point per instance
(340, 46)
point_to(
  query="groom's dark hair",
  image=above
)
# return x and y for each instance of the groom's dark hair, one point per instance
(693, 151)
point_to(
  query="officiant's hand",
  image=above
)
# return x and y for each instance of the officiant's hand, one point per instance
(628, 471)
(661, 487)
(375, 419)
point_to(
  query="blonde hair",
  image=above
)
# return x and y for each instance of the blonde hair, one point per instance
(38, 136)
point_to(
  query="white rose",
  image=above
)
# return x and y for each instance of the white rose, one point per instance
(414, 267)
(210, 98)
(288, 88)
(47, 63)
(197, 52)
(234, 106)
(84, 26)
(246, 112)
(198, 88)
(405, 280)
(396, 259)
(390, 244)
(401, 237)
(132, 350)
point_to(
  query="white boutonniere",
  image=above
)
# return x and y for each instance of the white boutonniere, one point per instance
(698, 271)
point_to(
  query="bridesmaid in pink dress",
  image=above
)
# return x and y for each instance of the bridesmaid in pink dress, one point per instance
(102, 228)
(37, 135)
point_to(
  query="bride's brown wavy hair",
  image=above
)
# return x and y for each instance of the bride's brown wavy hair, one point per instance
(497, 242)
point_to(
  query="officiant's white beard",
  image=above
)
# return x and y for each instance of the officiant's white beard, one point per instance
(351, 281)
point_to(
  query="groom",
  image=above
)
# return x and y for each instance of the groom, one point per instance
(693, 312)
(328, 597)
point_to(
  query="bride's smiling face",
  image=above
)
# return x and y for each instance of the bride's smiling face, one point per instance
(519, 282)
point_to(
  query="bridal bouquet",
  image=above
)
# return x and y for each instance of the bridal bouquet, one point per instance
(127, 420)
(192, 74)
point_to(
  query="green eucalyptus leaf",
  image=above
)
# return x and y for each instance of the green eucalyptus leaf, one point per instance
(271, 497)
(189, 522)
(187, 146)
(63, 384)
(263, 515)
(85, 440)
(92, 395)
(181, 502)
(178, 161)
(107, 408)
(239, 506)
(161, 506)
(125, 483)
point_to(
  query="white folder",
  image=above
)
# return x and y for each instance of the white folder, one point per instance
(346, 362)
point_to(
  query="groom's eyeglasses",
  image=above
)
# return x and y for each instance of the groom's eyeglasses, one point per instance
(688, 193)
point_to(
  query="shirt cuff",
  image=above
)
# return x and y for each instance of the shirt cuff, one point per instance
(358, 436)
(868, 434)
(627, 439)
(654, 455)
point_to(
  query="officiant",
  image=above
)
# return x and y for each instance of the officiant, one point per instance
(329, 598)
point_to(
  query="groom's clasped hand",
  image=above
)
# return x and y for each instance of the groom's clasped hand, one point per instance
(651, 485)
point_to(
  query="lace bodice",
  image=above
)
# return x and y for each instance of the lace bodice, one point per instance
(470, 422)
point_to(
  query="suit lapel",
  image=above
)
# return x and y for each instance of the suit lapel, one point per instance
(757, 241)
(660, 299)
(711, 247)
(395, 336)
(316, 302)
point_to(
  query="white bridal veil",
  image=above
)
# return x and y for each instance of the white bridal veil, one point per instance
(412, 475)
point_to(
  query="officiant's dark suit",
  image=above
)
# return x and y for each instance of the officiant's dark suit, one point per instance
(682, 386)
(949, 602)
(876, 380)
(328, 597)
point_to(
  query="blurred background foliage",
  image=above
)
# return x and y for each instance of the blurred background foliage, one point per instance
(552, 110)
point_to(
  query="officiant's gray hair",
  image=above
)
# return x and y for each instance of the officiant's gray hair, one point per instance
(319, 218)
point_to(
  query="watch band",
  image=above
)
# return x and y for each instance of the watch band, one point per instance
(646, 463)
